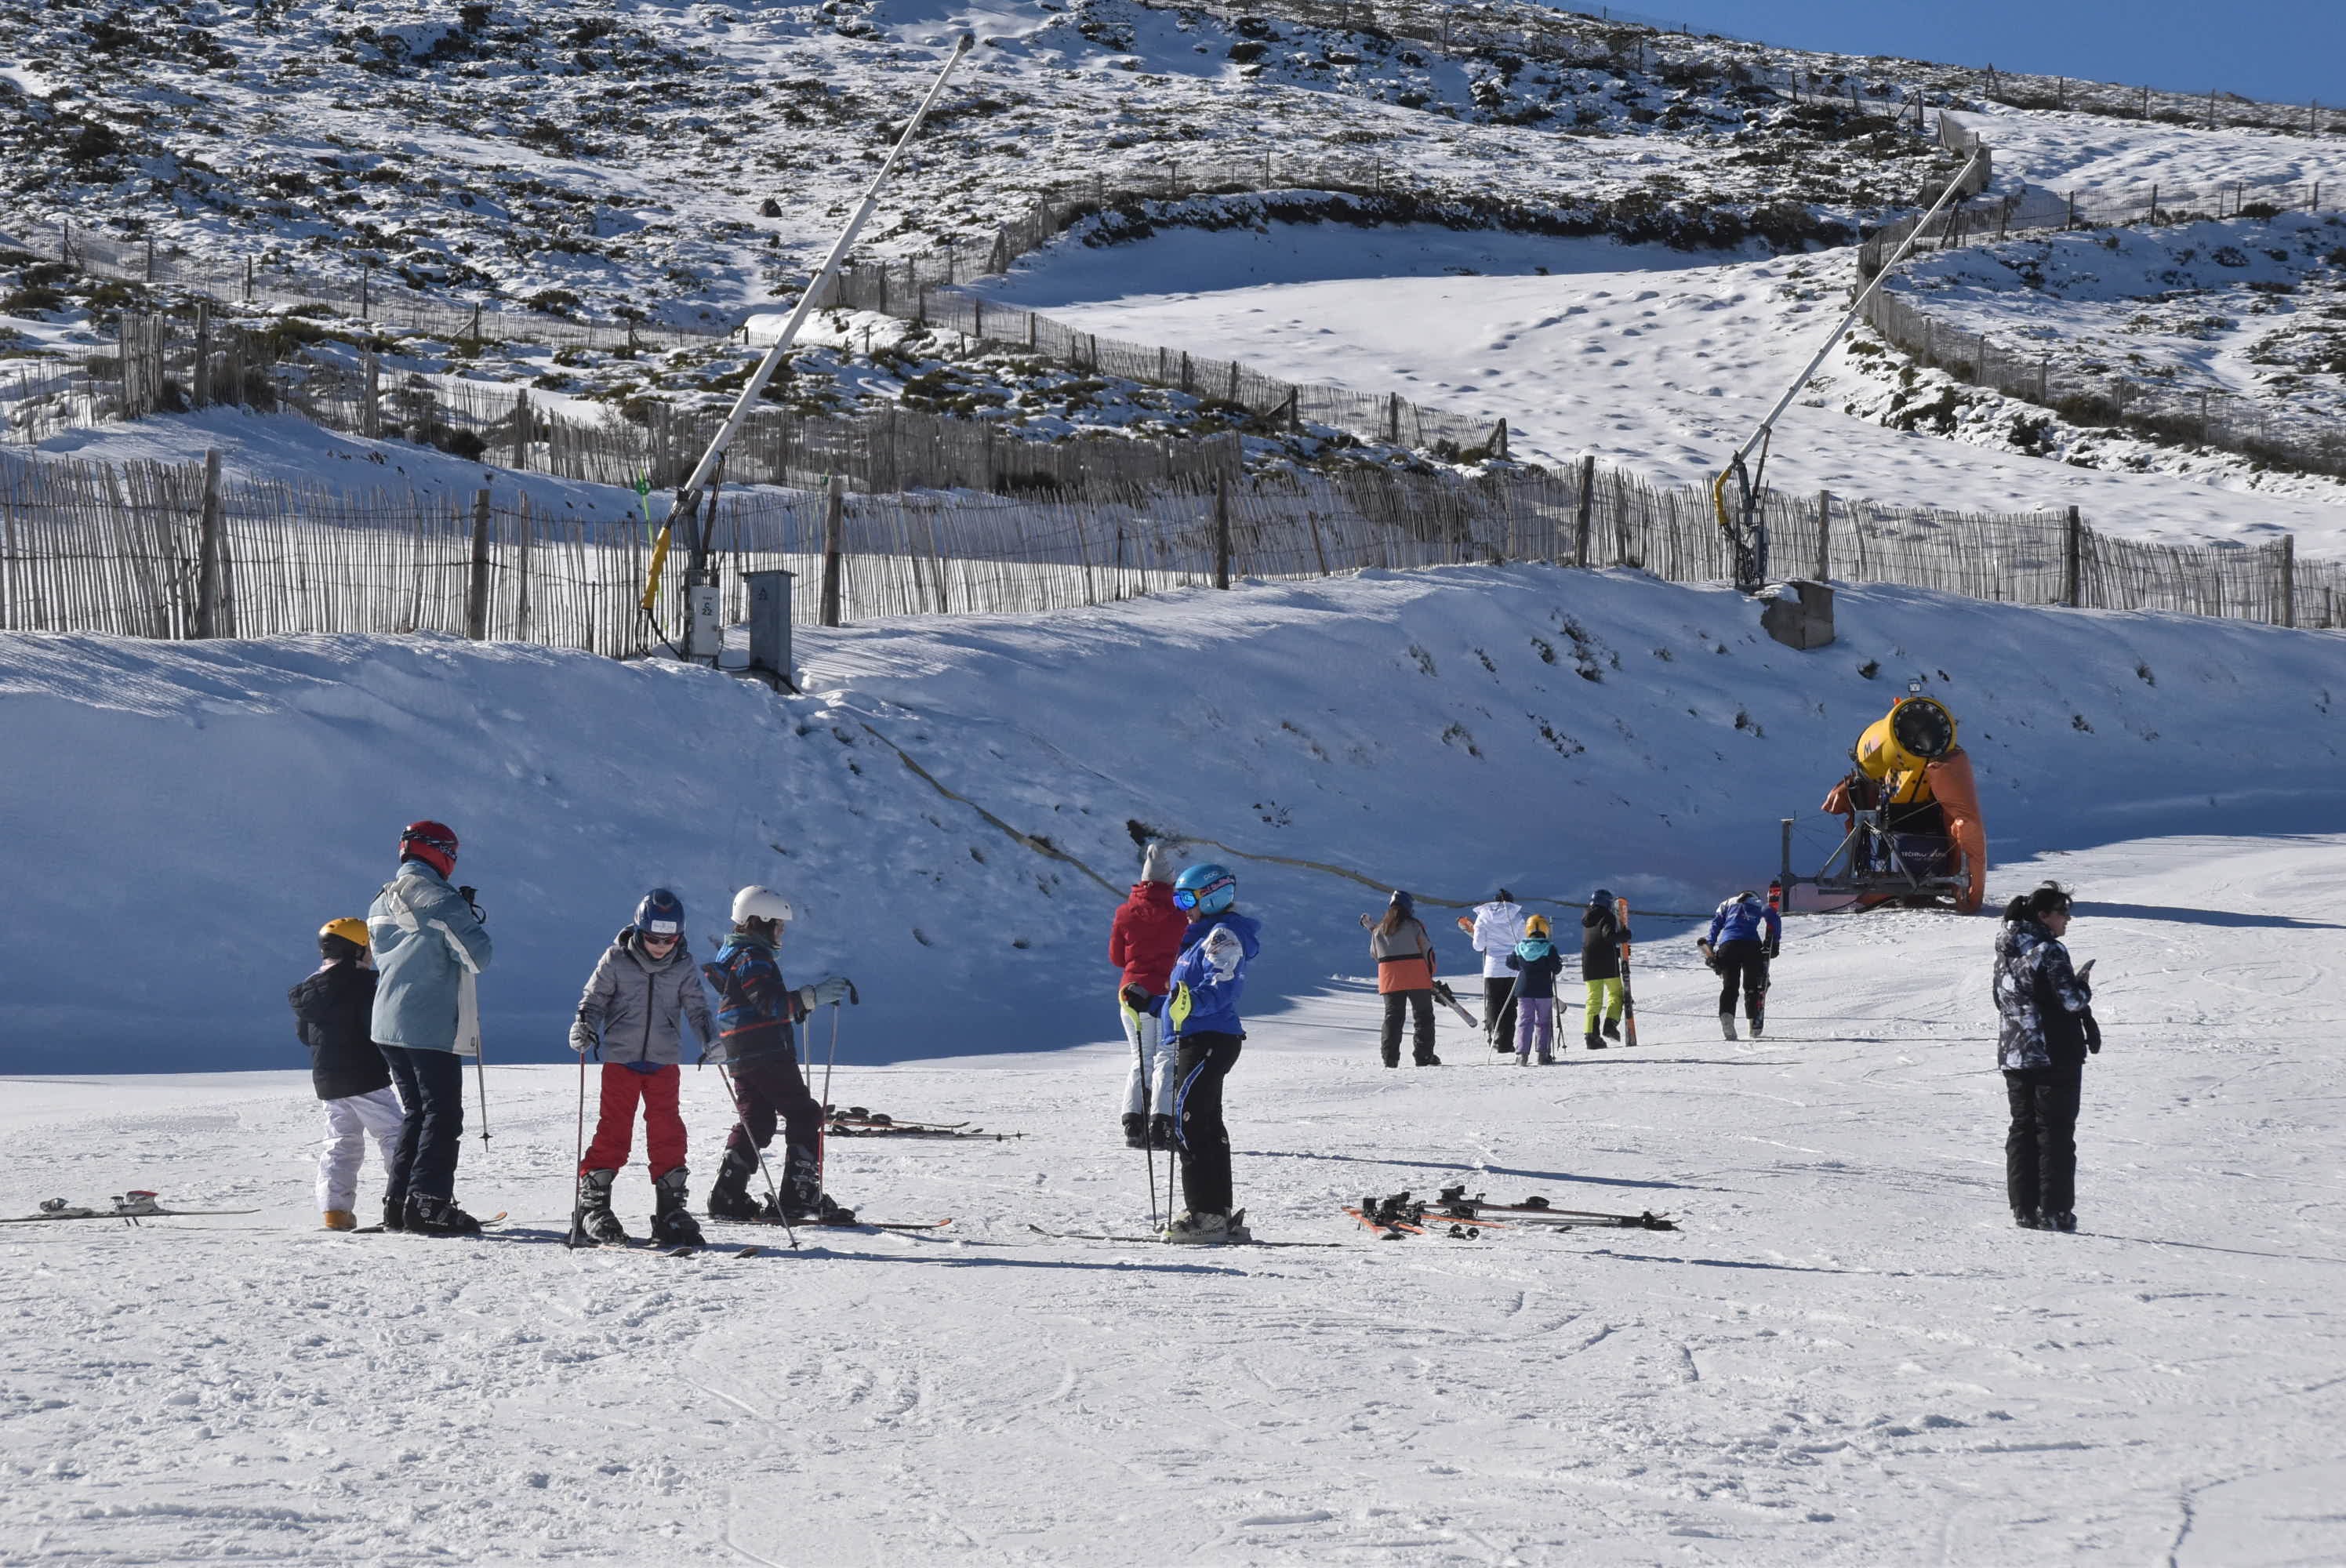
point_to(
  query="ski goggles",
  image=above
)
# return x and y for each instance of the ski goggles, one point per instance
(1186, 898)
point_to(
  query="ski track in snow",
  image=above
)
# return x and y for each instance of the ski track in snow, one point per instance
(1847, 1356)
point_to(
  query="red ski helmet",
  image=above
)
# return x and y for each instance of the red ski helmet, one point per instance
(433, 843)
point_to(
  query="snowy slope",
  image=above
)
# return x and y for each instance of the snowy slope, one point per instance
(1847, 1356)
(1442, 731)
(1660, 367)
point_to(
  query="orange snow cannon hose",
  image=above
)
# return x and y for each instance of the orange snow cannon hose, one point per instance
(1957, 793)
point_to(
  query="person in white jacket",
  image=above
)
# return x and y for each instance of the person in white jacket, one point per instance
(1495, 928)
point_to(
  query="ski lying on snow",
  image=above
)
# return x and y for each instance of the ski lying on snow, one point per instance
(1161, 1241)
(133, 1206)
(494, 1219)
(1452, 1203)
(846, 1224)
(1395, 1229)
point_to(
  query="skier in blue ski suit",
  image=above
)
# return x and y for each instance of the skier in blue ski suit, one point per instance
(1744, 933)
(1202, 1014)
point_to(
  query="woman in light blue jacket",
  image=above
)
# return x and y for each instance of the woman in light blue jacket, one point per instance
(429, 944)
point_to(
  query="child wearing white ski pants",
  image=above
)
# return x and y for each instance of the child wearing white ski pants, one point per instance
(348, 1124)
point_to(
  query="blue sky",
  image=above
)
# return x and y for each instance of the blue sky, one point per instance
(2285, 50)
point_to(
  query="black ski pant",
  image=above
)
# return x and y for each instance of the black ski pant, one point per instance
(430, 1087)
(1499, 1010)
(767, 1088)
(1743, 965)
(1417, 1002)
(2040, 1152)
(1199, 1069)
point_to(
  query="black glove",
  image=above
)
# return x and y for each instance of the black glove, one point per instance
(1136, 998)
(2093, 1031)
(467, 894)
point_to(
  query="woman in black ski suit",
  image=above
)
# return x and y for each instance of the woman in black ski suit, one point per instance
(2046, 1031)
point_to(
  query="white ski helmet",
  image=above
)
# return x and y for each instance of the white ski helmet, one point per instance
(761, 903)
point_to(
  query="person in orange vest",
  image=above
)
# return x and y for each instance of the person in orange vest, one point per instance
(1405, 966)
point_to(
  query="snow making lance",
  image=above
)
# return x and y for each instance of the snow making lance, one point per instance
(1746, 535)
(701, 628)
(1910, 811)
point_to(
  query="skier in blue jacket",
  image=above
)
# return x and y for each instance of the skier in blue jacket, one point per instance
(1202, 1014)
(1744, 933)
(429, 942)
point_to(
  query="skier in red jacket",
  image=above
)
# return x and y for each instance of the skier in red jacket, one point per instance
(1143, 941)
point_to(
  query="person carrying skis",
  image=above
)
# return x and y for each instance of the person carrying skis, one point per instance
(1201, 1013)
(1405, 966)
(333, 1012)
(645, 988)
(1536, 964)
(2046, 1029)
(1601, 936)
(1143, 941)
(757, 1016)
(1494, 927)
(1744, 933)
(429, 944)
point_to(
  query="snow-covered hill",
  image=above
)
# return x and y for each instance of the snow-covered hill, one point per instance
(1445, 731)
(1847, 1357)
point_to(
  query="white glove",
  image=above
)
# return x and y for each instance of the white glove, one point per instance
(823, 992)
(1223, 951)
(581, 1039)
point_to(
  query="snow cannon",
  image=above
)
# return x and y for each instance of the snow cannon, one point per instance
(1909, 814)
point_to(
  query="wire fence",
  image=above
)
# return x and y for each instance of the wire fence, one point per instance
(159, 551)
(2258, 428)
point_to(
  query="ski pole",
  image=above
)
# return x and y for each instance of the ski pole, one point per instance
(821, 1136)
(481, 1077)
(578, 1161)
(741, 1120)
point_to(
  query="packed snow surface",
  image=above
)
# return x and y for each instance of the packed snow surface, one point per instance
(1445, 731)
(1848, 1356)
(1662, 369)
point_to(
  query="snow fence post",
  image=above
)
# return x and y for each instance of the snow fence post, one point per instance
(476, 592)
(208, 549)
(2072, 554)
(834, 518)
(2288, 580)
(1580, 518)
(1222, 529)
(1824, 536)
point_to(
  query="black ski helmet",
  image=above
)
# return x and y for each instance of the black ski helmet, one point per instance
(1601, 896)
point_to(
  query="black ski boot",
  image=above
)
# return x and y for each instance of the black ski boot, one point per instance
(729, 1197)
(2028, 1220)
(804, 1201)
(2063, 1221)
(1135, 1130)
(1612, 1029)
(1594, 1041)
(1756, 1020)
(594, 1221)
(1428, 1060)
(439, 1216)
(1161, 1135)
(1392, 1058)
(394, 1214)
(672, 1221)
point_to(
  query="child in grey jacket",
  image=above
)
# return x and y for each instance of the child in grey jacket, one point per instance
(645, 988)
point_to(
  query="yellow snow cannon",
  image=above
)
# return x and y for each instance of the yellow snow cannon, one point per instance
(1910, 811)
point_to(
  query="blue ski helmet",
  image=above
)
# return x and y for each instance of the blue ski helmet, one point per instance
(1601, 896)
(660, 914)
(1205, 889)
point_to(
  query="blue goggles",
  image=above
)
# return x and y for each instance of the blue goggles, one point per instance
(1186, 898)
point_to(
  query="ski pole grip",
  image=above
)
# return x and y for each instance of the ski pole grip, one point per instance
(852, 995)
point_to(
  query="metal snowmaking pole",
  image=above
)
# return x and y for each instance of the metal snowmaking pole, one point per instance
(702, 640)
(1746, 535)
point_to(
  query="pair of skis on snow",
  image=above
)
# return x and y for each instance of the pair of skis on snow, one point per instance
(1455, 1215)
(855, 1122)
(131, 1208)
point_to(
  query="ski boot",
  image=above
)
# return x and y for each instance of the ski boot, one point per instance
(2028, 1220)
(1135, 1130)
(1392, 1058)
(1194, 1229)
(593, 1220)
(439, 1216)
(2064, 1221)
(1726, 1024)
(672, 1221)
(340, 1219)
(1594, 1041)
(1498, 1044)
(1546, 1059)
(1428, 1060)
(394, 1214)
(729, 1197)
(1161, 1133)
(804, 1201)
(1756, 1020)
(1612, 1029)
